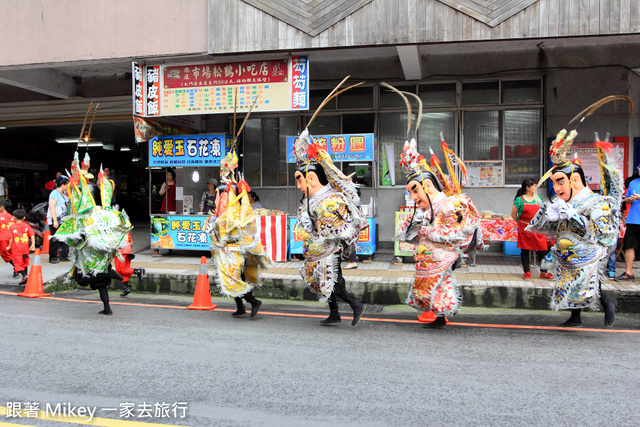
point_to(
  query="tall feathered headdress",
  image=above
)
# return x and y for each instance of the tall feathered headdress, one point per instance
(229, 163)
(453, 162)
(80, 197)
(414, 164)
(310, 155)
(561, 144)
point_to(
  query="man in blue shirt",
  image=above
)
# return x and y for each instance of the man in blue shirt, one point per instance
(632, 235)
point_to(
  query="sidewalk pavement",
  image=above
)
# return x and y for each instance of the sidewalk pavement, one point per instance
(495, 281)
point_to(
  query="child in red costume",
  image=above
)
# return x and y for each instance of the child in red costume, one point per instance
(124, 269)
(6, 221)
(19, 244)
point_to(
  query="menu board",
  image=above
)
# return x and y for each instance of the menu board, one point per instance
(485, 173)
(278, 85)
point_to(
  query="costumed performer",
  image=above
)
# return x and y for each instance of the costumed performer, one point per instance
(124, 269)
(94, 233)
(6, 220)
(235, 244)
(329, 221)
(585, 223)
(444, 225)
(19, 246)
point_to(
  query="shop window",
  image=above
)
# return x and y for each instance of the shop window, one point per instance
(438, 94)
(390, 99)
(324, 125)
(429, 133)
(481, 135)
(358, 97)
(358, 123)
(263, 151)
(317, 96)
(252, 152)
(521, 91)
(479, 93)
(274, 149)
(522, 136)
(393, 129)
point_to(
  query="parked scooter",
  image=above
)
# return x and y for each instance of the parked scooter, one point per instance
(37, 218)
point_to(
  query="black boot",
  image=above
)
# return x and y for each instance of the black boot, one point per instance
(15, 273)
(126, 290)
(609, 310)
(334, 315)
(104, 296)
(439, 323)
(574, 321)
(139, 272)
(356, 306)
(240, 311)
(24, 277)
(255, 303)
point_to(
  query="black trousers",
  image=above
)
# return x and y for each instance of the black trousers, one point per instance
(524, 257)
(55, 244)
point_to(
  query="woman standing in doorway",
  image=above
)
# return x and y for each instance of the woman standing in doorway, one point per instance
(525, 206)
(168, 190)
(58, 208)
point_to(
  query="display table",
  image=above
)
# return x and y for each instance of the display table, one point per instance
(499, 230)
(505, 230)
(494, 230)
(187, 232)
(366, 241)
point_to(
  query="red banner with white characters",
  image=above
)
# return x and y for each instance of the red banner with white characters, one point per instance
(300, 83)
(233, 73)
(152, 95)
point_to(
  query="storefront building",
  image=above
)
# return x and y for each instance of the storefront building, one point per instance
(498, 79)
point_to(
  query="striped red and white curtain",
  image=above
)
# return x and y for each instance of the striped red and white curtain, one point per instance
(272, 230)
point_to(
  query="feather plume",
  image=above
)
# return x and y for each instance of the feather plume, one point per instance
(327, 99)
(593, 107)
(407, 103)
(418, 114)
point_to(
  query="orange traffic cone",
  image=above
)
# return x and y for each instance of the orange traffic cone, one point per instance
(34, 287)
(202, 295)
(45, 239)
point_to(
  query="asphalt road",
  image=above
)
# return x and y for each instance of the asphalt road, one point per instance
(286, 370)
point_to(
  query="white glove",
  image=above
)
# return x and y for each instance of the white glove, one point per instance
(305, 222)
(553, 211)
(418, 218)
(567, 211)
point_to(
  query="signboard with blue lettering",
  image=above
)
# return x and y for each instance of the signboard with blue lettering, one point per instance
(188, 150)
(366, 241)
(342, 148)
(179, 232)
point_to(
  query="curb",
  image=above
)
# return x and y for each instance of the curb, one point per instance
(372, 292)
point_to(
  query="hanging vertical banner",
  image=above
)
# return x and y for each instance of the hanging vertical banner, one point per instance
(300, 83)
(138, 88)
(152, 101)
(279, 85)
